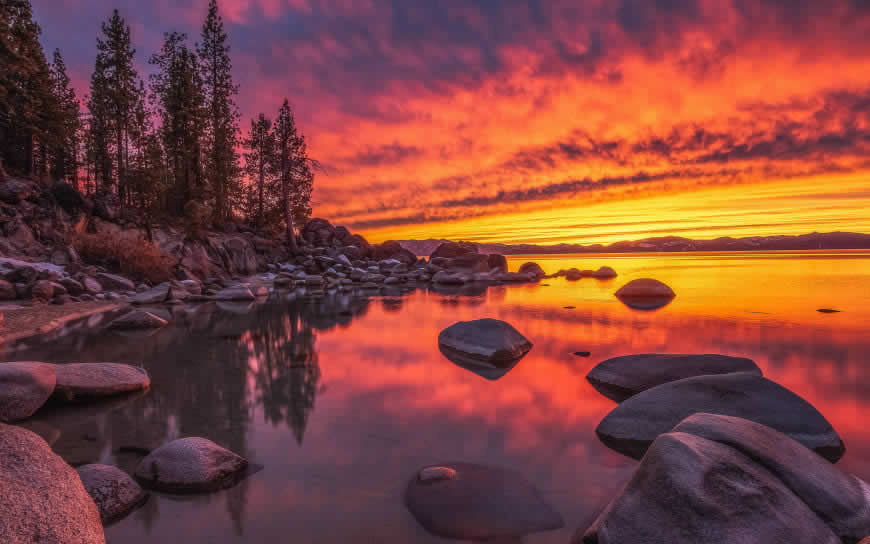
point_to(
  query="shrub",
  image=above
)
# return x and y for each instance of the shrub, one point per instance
(129, 254)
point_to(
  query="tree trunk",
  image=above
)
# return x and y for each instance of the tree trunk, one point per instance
(260, 189)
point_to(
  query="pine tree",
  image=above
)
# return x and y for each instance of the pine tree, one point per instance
(113, 96)
(65, 153)
(260, 162)
(221, 134)
(294, 172)
(27, 106)
(178, 94)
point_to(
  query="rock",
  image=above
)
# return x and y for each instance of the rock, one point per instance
(318, 232)
(115, 493)
(190, 465)
(72, 287)
(235, 293)
(60, 300)
(138, 319)
(497, 261)
(430, 474)
(7, 291)
(155, 295)
(689, 489)
(89, 381)
(452, 250)
(582, 353)
(24, 388)
(622, 377)
(532, 269)
(573, 274)
(43, 291)
(91, 285)
(115, 282)
(633, 425)
(645, 288)
(446, 277)
(514, 277)
(479, 503)
(486, 343)
(828, 311)
(42, 498)
(605, 272)
(840, 500)
(13, 191)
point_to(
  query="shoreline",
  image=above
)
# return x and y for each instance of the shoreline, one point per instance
(30, 321)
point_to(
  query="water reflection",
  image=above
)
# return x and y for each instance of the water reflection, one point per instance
(343, 397)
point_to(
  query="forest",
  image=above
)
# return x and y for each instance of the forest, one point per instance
(167, 146)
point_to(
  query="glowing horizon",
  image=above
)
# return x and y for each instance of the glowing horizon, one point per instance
(549, 121)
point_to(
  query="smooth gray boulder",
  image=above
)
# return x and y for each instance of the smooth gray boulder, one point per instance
(235, 294)
(841, 500)
(42, 498)
(622, 377)
(484, 343)
(114, 492)
(138, 319)
(689, 489)
(476, 502)
(24, 388)
(190, 465)
(633, 425)
(89, 381)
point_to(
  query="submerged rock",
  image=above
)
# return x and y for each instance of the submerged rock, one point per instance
(573, 274)
(115, 493)
(24, 388)
(138, 319)
(689, 489)
(633, 425)
(430, 474)
(605, 272)
(42, 498)
(487, 343)
(479, 503)
(622, 377)
(88, 381)
(828, 311)
(645, 288)
(234, 294)
(190, 465)
(841, 500)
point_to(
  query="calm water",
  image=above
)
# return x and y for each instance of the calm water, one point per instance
(342, 399)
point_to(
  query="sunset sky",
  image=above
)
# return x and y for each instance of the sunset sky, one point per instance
(587, 121)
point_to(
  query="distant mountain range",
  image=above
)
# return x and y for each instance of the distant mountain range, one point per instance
(816, 240)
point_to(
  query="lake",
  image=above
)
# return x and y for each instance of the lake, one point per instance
(342, 399)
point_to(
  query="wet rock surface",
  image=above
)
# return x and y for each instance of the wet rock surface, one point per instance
(484, 344)
(42, 498)
(138, 319)
(89, 381)
(190, 465)
(24, 388)
(633, 425)
(479, 503)
(114, 492)
(622, 377)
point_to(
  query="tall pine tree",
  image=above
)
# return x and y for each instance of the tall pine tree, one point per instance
(260, 162)
(65, 153)
(294, 170)
(221, 126)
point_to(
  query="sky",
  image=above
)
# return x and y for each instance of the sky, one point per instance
(575, 121)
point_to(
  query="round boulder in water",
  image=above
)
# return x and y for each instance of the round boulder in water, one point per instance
(115, 493)
(479, 502)
(88, 381)
(533, 270)
(190, 465)
(605, 273)
(483, 344)
(24, 388)
(689, 489)
(645, 294)
(841, 500)
(41, 497)
(633, 425)
(622, 377)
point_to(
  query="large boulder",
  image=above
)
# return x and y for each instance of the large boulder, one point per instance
(475, 502)
(24, 388)
(42, 498)
(136, 320)
(13, 190)
(115, 493)
(114, 282)
(841, 500)
(633, 425)
(689, 489)
(392, 250)
(90, 381)
(472, 262)
(497, 261)
(604, 273)
(622, 377)
(241, 293)
(190, 465)
(318, 232)
(645, 294)
(487, 343)
(573, 274)
(155, 295)
(532, 269)
(451, 250)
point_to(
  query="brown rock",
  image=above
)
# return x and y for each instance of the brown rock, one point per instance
(24, 388)
(115, 493)
(85, 381)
